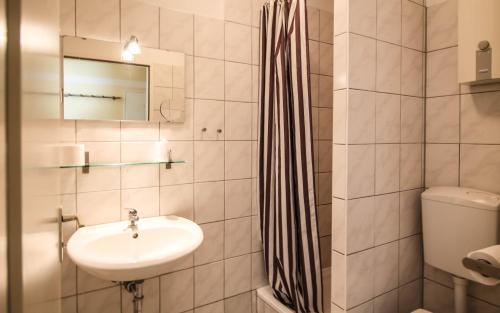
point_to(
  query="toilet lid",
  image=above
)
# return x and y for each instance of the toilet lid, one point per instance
(421, 311)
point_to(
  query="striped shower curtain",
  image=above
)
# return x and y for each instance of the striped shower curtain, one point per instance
(286, 179)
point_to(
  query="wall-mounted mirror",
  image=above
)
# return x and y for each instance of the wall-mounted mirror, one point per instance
(98, 85)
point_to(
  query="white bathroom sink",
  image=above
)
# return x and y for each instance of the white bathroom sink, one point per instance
(111, 252)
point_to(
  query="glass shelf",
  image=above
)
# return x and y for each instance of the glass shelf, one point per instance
(90, 165)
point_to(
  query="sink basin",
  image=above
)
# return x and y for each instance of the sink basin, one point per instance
(111, 252)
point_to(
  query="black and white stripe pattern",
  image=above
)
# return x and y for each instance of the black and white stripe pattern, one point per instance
(286, 180)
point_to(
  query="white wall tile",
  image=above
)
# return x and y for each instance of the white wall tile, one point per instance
(412, 72)
(340, 60)
(255, 45)
(212, 247)
(361, 171)
(442, 22)
(442, 119)
(410, 259)
(324, 193)
(442, 73)
(339, 116)
(177, 200)
(209, 202)
(238, 79)
(177, 291)
(209, 82)
(240, 303)
(325, 91)
(413, 25)
(339, 225)
(362, 62)
(237, 233)
(238, 159)
(326, 59)
(361, 117)
(479, 167)
(385, 268)
(339, 268)
(208, 283)
(313, 23)
(98, 207)
(360, 277)
(388, 67)
(208, 37)
(97, 131)
(216, 307)
(259, 276)
(480, 118)
(386, 303)
(363, 17)
(412, 120)
(325, 26)
(386, 218)
(238, 11)
(325, 156)
(68, 305)
(411, 166)
(238, 198)
(98, 20)
(442, 165)
(237, 275)
(410, 296)
(339, 171)
(139, 176)
(341, 16)
(238, 44)
(314, 56)
(325, 120)
(386, 168)
(410, 213)
(387, 118)
(238, 121)
(389, 21)
(208, 161)
(359, 232)
(101, 301)
(176, 31)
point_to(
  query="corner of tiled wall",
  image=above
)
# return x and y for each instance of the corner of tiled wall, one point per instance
(377, 155)
(462, 143)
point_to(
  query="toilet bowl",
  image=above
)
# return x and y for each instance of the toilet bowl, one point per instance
(421, 311)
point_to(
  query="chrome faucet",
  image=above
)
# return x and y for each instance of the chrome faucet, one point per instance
(133, 218)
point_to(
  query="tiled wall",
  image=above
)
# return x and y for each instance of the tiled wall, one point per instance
(320, 23)
(377, 167)
(216, 187)
(462, 143)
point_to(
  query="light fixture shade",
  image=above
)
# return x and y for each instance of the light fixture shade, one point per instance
(133, 45)
(127, 56)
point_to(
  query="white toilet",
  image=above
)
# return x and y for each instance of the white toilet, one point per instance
(455, 222)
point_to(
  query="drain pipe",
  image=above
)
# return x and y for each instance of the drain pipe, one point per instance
(460, 289)
(135, 288)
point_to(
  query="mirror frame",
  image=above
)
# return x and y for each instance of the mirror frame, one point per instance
(98, 50)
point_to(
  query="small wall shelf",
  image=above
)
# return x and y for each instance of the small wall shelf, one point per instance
(86, 167)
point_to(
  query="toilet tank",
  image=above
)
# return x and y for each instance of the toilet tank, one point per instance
(456, 221)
